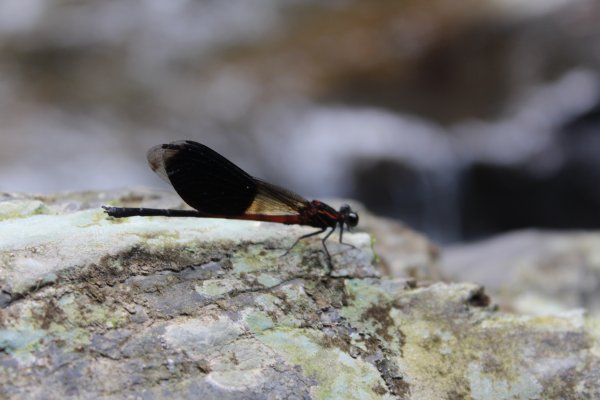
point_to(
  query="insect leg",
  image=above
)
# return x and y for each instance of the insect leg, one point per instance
(325, 246)
(303, 237)
(341, 233)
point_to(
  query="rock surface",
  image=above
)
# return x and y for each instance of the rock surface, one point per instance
(532, 272)
(94, 307)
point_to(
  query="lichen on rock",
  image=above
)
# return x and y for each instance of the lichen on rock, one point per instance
(201, 308)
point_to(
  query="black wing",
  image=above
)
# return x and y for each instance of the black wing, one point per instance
(213, 185)
(204, 179)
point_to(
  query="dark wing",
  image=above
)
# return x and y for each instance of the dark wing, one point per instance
(204, 179)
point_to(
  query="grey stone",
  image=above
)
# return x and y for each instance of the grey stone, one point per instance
(532, 271)
(202, 308)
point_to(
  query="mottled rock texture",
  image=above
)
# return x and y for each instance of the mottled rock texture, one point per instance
(94, 307)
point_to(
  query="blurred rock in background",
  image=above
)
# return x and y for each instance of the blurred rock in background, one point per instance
(532, 272)
(462, 118)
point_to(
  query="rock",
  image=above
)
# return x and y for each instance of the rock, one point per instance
(534, 272)
(95, 307)
(402, 252)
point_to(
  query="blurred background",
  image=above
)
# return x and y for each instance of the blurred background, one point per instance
(462, 118)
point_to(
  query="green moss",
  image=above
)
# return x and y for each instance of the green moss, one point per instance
(20, 340)
(267, 280)
(259, 321)
(96, 218)
(488, 386)
(81, 313)
(252, 260)
(593, 328)
(36, 328)
(217, 287)
(370, 310)
(376, 259)
(347, 378)
(165, 238)
(22, 209)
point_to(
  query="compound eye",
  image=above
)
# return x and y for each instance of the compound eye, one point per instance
(352, 219)
(345, 209)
